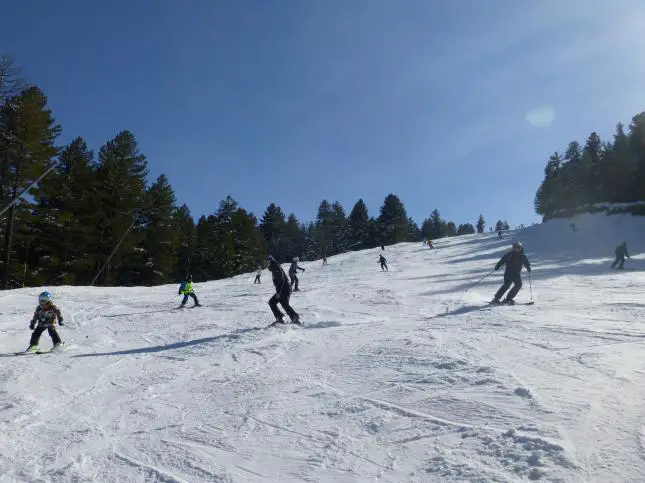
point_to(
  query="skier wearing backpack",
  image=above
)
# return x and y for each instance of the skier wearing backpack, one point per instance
(514, 261)
(293, 271)
(44, 319)
(282, 294)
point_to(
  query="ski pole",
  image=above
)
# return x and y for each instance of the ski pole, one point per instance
(480, 280)
(530, 286)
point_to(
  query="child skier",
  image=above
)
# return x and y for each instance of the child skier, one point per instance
(383, 262)
(186, 289)
(258, 274)
(282, 294)
(45, 318)
(514, 261)
(292, 273)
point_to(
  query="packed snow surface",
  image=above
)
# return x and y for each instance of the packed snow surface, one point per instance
(399, 376)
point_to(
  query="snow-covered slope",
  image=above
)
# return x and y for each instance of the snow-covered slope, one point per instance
(401, 376)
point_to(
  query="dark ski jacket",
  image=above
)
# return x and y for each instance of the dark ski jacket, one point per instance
(280, 279)
(621, 252)
(46, 316)
(514, 262)
(294, 266)
(382, 259)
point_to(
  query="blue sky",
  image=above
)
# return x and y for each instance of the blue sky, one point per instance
(294, 101)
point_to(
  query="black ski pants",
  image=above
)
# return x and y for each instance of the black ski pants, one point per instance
(620, 261)
(185, 299)
(257, 279)
(38, 331)
(282, 298)
(510, 278)
(383, 266)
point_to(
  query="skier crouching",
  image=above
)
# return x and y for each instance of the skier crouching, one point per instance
(282, 294)
(514, 261)
(44, 319)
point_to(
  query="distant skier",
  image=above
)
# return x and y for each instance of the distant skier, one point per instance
(514, 261)
(186, 289)
(499, 234)
(324, 260)
(293, 270)
(383, 262)
(621, 253)
(282, 294)
(258, 274)
(573, 227)
(430, 245)
(44, 319)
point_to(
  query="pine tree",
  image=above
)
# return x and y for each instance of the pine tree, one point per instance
(159, 249)
(11, 83)
(273, 226)
(295, 238)
(324, 236)
(121, 176)
(358, 227)
(466, 229)
(636, 138)
(481, 224)
(449, 228)
(619, 169)
(27, 149)
(184, 226)
(393, 221)
(414, 232)
(64, 219)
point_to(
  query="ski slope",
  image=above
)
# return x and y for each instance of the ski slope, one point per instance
(401, 376)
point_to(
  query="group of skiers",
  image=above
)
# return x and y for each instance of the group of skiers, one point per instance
(516, 259)
(47, 316)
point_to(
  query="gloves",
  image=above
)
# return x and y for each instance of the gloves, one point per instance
(60, 322)
(32, 325)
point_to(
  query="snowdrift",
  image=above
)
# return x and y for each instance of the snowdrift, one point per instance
(399, 376)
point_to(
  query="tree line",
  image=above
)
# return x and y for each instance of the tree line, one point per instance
(596, 172)
(94, 218)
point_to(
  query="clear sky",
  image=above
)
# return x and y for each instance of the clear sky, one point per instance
(454, 105)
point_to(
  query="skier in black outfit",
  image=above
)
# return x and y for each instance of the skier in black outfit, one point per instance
(282, 294)
(514, 261)
(621, 253)
(383, 262)
(292, 273)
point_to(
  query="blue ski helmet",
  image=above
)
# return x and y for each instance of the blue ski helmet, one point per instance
(45, 297)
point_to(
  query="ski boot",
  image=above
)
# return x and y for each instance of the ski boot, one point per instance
(32, 348)
(296, 320)
(508, 302)
(277, 322)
